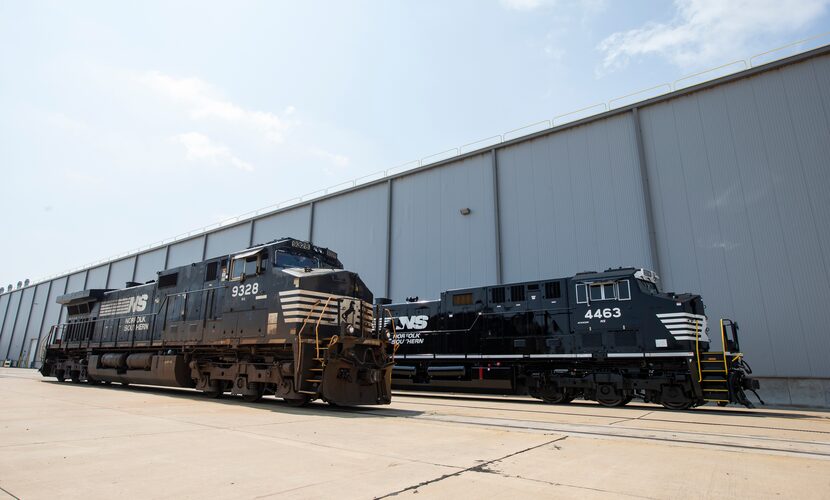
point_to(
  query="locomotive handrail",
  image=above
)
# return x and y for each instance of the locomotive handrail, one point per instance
(723, 344)
(317, 327)
(305, 321)
(697, 352)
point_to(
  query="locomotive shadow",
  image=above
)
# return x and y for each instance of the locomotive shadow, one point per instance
(268, 403)
(541, 407)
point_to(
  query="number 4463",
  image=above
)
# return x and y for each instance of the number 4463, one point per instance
(604, 313)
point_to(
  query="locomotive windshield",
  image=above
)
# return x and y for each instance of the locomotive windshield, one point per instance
(293, 258)
(285, 259)
(648, 287)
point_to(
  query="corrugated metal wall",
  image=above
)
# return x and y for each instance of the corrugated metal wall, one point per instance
(737, 208)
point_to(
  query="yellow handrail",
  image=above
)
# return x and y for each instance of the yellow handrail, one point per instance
(300, 333)
(723, 344)
(697, 352)
(317, 327)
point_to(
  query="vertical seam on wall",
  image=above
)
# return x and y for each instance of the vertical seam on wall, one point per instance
(5, 315)
(648, 202)
(251, 235)
(166, 257)
(494, 162)
(14, 324)
(311, 222)
(387, 277)
(26, 326)
(135, 267)
(107, 279)
(42, 319)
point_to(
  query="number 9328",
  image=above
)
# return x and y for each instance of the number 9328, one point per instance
(246, 289)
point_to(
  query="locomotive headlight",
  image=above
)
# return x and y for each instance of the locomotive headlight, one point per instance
(351, 329)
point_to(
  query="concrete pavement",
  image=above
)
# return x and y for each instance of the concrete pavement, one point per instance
(76, 441)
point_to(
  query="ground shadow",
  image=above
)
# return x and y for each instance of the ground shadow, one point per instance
(267, 403)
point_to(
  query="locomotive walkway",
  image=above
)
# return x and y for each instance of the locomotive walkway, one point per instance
(73, 441)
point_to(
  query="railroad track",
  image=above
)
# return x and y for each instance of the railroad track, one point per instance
(426, 408)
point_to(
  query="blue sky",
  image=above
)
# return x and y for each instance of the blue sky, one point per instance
(126, 123)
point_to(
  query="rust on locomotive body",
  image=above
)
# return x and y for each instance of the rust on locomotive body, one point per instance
(280, 319)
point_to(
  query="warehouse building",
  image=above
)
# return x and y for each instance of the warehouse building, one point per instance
(722, 188)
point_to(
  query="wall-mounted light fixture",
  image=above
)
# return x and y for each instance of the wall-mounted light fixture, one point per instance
(465, 211)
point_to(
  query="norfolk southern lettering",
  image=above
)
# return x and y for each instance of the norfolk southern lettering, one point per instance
(609, 337)
(281, 319)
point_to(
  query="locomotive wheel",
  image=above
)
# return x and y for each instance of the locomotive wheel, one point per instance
(75, 376)
(685, 405)
(253, 398)
(296, 402)
(556, 396)
(214, 391)
(610, 397)
(60, 375)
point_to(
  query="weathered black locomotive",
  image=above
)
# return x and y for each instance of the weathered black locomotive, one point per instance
(281, 318)
(609, 336)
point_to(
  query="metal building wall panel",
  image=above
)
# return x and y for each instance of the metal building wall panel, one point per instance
(741, 206)
(29, 352)
(4, 307)
(97, 277)
(185, 252)
(148, 264)
(572, 202)
(292, 223)
(797, 202)
(14, 344)
(354, 226)
(53, 309)
(121, 271)
(434, 246)
(226, 241)
(8, 325)
(727, 114)
(75, 282)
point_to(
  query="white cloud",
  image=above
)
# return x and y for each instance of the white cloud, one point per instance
(203, 102)
(709, 31)
(524, 4)
(588, 6)
(335, 159)
(199, 147)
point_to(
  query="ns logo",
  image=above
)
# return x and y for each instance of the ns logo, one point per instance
(411, 322)
(138, 303)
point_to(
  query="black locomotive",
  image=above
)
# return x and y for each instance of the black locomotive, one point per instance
(606, 336)
(281, 318)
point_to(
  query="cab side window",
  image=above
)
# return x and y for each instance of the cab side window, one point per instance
(249, 266)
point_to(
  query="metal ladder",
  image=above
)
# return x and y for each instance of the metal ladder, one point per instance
(318, 360)
(713, 370)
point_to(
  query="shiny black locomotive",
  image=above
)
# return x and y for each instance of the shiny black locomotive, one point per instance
(605, 336)
(281, 318)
